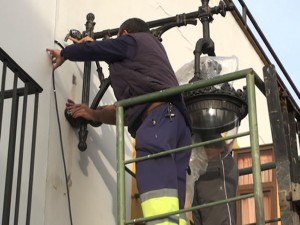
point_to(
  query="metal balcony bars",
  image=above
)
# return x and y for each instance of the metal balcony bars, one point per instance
(17, 96)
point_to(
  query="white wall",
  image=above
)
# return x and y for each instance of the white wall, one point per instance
(29, 28)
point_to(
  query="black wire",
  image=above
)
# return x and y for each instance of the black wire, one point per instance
(62, 149)
(60, 45)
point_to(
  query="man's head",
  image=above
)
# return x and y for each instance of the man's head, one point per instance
(211, 136)
(133, 25)
(214, 149)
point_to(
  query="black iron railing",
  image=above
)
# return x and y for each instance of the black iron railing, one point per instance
(244, 17)
(19, 98)
(284, 114)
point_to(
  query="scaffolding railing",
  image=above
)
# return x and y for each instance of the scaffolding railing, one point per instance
(252, 80)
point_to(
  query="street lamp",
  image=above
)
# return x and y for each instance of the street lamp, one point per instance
(216, 109)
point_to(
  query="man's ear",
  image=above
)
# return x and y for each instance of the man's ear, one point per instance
(124, 32)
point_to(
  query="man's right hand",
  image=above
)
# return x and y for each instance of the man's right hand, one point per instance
(86, 39)
(103, 114)
(80, 110)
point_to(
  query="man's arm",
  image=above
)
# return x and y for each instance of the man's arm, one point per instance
(111, 50)
(106, 114)
(103, 114)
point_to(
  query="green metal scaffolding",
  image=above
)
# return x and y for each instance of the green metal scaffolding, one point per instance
(252, 79)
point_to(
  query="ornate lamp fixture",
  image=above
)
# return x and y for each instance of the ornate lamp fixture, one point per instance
(216, 109)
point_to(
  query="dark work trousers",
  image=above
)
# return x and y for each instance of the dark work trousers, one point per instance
(218, 183)
(159, 133)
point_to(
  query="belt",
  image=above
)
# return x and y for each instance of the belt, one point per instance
(150, 108)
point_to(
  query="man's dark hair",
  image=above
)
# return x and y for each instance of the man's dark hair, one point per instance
(211, 136)
(134, 25)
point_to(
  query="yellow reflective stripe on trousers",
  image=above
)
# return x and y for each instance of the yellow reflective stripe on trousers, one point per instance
(159, 202)
(182, 221)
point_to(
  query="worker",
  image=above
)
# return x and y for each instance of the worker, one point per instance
(218, 182)
(138, 65)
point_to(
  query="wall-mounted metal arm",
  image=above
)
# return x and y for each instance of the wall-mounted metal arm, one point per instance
(104, 84)
(158, 32)
(179, 20)
(205, 45)
(86, 84)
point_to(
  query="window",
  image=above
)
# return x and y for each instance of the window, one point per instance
(246, 207)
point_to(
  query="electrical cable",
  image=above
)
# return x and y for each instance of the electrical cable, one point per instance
(62, 148)
(59, 127)
(225, 190)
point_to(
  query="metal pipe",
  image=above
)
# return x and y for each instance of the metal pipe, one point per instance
(32, 158)
(277, 111)
(257, 185)
(178, 19)
(11, 153)
(83, 132)
(152, 24)
(205, 19)
(2, 93)
(21, 151)
(155, 155)
(203, 45)
(186, 87)
(120, 166)
(249, 170)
